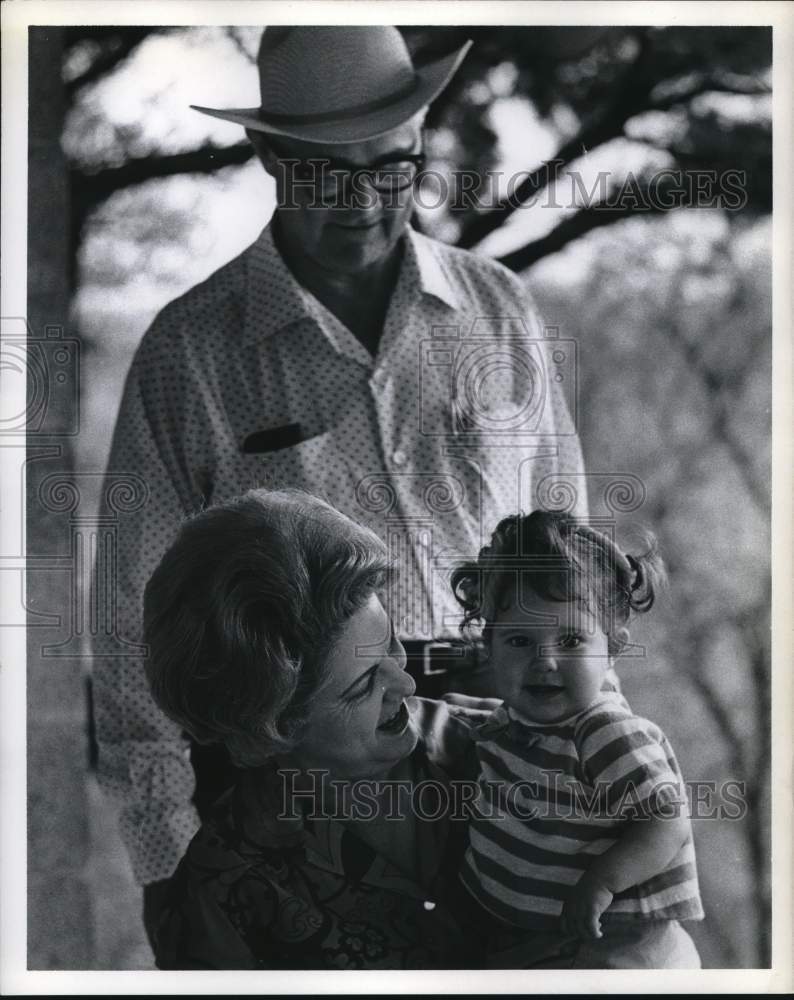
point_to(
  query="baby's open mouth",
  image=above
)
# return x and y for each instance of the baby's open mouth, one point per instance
(397, 722)
(543, 692)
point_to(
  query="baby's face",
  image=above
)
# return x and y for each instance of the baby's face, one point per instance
(549, 657)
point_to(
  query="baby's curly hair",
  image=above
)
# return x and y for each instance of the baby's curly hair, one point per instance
(559, 558)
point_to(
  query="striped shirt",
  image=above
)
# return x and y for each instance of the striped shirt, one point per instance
(554, 796)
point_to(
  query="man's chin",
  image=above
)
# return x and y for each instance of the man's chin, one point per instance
(351, 253)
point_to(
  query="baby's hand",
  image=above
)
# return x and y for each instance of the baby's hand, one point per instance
(581, 914)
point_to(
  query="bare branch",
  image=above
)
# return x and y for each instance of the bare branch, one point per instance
(570, 229)
(234, 36)
(536, 180)
(706, 86)
(720, 426)
(108, 60)
(630, 96)
(713, 703)
(207, 159)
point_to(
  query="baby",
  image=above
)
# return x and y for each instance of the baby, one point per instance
(581, 834)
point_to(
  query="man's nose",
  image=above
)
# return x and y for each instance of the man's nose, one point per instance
(362, 195)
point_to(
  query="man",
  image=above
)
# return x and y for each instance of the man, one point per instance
(343, 353)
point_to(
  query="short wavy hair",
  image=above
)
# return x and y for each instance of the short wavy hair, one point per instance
(243, 610)
(560, 559)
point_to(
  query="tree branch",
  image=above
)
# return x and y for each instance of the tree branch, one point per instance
(630, 96)
(536, 180)
(108, 60)
(233, 36)
(715, 385)
(207, 159)
(739, 763)
(707, 86)
(570, 229)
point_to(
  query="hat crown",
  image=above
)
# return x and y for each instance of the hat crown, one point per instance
(321, 70)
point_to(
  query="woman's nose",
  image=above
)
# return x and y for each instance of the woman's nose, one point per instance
(397, 653)
(398, 678)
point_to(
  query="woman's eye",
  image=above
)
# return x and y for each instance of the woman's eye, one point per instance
(571, 641)
(518, 641)
(366, 690)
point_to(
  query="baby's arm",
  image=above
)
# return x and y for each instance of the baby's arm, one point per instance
(644, 848)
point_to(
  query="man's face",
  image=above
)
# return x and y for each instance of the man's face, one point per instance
(342, 226)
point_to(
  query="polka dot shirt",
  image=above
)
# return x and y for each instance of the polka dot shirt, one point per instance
(248, 380)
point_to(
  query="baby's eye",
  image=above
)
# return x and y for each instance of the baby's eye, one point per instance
(518, 641)
(571, 641)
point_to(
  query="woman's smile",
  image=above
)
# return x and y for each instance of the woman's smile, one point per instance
(397, 722)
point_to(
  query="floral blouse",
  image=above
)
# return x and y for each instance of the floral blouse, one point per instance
(257, 892)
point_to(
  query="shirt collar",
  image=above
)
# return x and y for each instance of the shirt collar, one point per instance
(269, 280)
(422, 259)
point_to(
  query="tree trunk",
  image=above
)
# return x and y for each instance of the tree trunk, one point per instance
(60, 922)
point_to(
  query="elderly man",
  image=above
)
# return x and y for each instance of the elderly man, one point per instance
(344, 353)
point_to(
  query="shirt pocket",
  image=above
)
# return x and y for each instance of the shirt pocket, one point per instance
(308, 465)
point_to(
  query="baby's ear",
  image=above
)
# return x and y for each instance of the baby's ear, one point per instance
(617, 641)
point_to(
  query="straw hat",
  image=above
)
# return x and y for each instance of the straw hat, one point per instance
(339, 84)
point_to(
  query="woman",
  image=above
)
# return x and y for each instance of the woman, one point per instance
(267, 635)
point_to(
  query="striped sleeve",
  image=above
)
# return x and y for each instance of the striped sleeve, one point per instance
(632, 764)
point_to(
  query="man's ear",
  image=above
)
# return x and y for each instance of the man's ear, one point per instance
(263, 151)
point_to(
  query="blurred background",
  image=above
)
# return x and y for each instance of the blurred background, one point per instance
(133, 198)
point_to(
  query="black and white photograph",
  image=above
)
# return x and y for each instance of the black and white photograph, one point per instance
(396, 497)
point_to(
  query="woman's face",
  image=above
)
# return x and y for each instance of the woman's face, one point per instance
(359, 726)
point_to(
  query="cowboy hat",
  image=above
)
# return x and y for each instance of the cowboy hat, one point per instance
(339, 84)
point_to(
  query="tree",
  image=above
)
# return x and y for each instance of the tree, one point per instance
(590, 85)
(676, 371)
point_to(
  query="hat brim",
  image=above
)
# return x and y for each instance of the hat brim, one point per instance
(431, 80)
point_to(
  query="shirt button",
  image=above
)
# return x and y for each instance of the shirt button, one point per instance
(399, 457)
(429, 904)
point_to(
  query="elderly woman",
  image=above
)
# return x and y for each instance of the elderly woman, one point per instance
(268, 636)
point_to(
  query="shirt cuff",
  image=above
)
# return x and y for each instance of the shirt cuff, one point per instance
(157, 841)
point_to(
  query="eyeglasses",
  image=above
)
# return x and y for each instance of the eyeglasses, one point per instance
(387, 175)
